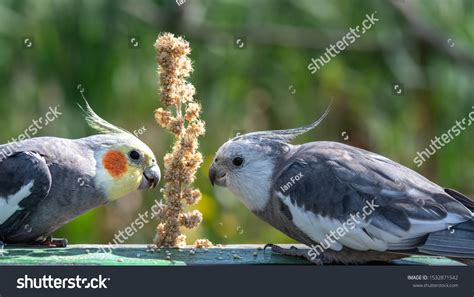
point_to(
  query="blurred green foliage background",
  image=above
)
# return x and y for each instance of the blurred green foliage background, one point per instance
(424, 46)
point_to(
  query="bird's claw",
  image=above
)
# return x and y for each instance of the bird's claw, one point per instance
(268, 245)
(55, 242)
(294, 252)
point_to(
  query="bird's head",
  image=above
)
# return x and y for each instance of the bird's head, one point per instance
(123, 162)
(245, 164)
(245, 167)
(124, 165)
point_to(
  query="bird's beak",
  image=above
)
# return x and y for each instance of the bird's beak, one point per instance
(151, 177)
(215, 176)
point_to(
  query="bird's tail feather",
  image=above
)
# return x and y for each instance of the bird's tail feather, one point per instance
(456, 242)
(465, 261)
(461, 198)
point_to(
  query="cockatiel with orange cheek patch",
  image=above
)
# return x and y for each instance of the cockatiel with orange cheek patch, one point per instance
(46, 182)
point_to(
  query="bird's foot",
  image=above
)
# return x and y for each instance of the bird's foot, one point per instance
(54, 242)
(294, 252)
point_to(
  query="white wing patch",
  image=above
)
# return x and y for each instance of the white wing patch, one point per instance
(320, 228)
(314, 226)
(363, 236)
(10, 204)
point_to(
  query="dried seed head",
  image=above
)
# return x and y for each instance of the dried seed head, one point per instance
(203, 243)
(176, 126)
(192, 196)
(181, 240)
(188, 92)
(192, 112)
(163, 117)
(180, 115)
(190, 219)
(196, 129)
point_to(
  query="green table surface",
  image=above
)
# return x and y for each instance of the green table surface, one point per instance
(141, 255)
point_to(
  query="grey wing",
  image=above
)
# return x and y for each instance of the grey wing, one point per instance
(25, 180)
(375, 203)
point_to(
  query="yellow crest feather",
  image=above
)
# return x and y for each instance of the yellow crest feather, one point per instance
(97, 123)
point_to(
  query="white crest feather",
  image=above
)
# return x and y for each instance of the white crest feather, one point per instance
(284, 136)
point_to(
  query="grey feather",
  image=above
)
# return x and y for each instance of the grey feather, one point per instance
(461, 198)
(98, 123)
(339, 180)
(16, 171)
(458, 241)
(283, 136)
(350, 183)
(70, 164)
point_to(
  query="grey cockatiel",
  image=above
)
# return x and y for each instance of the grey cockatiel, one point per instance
(46, 182)
(379, 208)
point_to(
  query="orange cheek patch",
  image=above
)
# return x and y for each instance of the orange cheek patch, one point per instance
(115, 163)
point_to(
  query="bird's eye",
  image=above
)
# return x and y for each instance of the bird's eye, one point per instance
(134, 155)
(237, 161)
